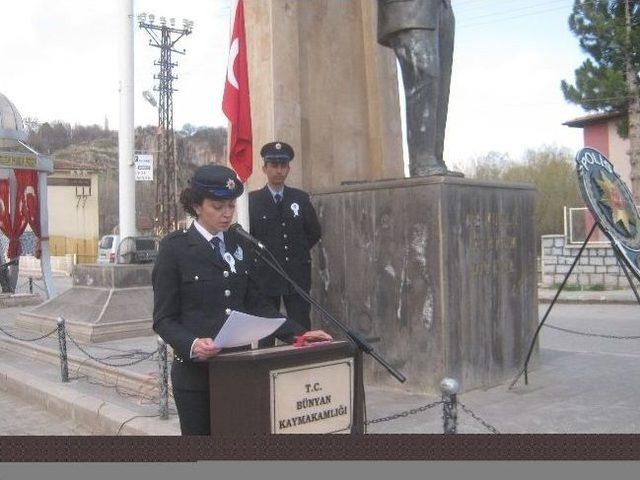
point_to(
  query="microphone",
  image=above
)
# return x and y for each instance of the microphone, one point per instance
(237, 229)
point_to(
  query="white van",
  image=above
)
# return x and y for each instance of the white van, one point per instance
(107, 249)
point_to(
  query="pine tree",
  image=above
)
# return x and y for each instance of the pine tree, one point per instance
(609, 31)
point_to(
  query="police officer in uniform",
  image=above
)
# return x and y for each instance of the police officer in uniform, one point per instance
(284, 220)
(200, 275)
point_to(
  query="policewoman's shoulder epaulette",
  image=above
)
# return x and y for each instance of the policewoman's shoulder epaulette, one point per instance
(175, 234)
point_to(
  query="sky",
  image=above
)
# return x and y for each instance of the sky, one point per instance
(58, 61)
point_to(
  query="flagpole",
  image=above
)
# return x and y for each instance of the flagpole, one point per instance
(242, 208)
(242, 203)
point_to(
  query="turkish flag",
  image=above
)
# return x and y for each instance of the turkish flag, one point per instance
(5, 217)
(235, 102)
(26, 212)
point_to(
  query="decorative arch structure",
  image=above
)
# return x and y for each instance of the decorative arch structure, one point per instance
(23, 197)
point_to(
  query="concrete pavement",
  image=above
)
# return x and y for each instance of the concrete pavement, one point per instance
(28, 419)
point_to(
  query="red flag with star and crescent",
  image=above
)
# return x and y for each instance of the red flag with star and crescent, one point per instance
(235, 102)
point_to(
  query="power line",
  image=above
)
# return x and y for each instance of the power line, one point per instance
(511, 10)
(585, 100)
(620, 23)
(474, 3)
(512, 17)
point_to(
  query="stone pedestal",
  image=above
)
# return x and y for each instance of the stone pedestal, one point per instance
(442, 269)
(106, 302)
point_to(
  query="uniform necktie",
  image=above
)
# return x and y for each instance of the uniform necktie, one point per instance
(217, 247)
(278, 198)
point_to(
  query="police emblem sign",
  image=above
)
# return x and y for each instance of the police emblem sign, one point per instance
(611, 205)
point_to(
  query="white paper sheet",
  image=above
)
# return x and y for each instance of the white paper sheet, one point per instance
(243, 329)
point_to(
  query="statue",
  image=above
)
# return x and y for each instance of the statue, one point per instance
(421, 33)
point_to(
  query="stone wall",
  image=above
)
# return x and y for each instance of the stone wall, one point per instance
(598, 265)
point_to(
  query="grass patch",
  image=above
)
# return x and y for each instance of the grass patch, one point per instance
(598, 287)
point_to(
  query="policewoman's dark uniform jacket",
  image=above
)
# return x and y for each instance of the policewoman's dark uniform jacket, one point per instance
(289, 230)
(194, 292)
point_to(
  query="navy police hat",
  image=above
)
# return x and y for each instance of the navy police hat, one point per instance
(277, 152)
(217, 181)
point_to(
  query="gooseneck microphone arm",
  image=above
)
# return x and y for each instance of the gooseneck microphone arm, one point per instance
(355, 337)
(238, 230)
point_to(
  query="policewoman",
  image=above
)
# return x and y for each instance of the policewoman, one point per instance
(284, 220)
(200, 275)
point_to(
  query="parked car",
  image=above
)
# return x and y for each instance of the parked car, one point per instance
(138, 249)
(107, 249)
(142, 249)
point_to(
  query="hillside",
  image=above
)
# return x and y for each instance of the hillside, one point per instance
(98, 148)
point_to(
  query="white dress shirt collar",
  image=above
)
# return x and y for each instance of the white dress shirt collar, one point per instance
(273, 191)
(206, 233)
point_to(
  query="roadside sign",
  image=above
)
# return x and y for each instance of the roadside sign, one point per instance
(144, 167)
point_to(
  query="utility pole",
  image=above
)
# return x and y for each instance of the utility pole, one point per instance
(165, 37)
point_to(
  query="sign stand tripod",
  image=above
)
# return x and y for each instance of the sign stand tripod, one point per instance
(611, 204)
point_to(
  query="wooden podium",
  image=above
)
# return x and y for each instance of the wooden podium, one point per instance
(313, 389)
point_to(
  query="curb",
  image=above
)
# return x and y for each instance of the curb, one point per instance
(24, 300)
(38, 273)
(98, 415)
(590, 301)
(130, 381)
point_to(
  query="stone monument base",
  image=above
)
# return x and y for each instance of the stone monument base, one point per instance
(106, 302)
(441, 269)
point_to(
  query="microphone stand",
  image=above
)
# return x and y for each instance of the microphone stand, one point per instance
(355, 337)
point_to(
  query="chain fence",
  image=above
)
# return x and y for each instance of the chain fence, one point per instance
(450, 403)
(103, 361)
(137, 356)
(15, 337)
(449, 387)
(406, 413)
(597, 335)
(477, 418)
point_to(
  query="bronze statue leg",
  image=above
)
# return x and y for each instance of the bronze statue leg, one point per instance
(417, 53)
(446, 38)
(425, 58)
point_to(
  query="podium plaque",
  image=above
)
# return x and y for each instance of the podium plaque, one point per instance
(315, 398)
(313, 389)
